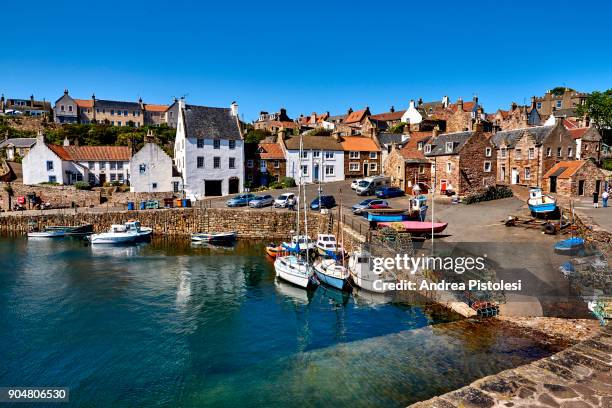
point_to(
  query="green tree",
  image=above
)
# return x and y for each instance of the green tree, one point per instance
(598, 107)
(256, 135)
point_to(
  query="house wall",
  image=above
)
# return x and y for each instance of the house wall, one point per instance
(34, 166)
(589, 173)
(253, 173)
(157, 175)
(473, 156)
(70, 112)
(416, 173)
(393, 167)
(121, 171)
(362, 159)
(559, 137)
(294, 162)
(442, 175)
(459, 121)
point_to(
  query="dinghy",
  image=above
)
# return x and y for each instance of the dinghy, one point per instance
(214, 237)
(568, 246)
(539, 203)
(274, 250)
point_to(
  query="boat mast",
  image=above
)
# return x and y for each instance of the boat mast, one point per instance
(306, 228)
(298, 198)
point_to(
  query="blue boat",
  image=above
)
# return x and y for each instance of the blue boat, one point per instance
(387, 217)
(569, 245)
(333, 274)
(539, 203)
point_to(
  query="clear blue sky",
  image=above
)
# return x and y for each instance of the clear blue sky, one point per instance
(304, 56)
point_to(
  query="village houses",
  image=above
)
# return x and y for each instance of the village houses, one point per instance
(14, 149)
(209, 150)
(321, 160)
(407, 165)
(362, 157)
(574, 178)
(264, 162)
(151, 170)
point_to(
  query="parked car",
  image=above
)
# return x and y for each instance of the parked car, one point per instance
(355, 183)
(281, 200)
(370, 203)
(389, 192)
(369, 185)
(261, 201)
(326, 202)
(240, 200)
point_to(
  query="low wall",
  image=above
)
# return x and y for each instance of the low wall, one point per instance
(58, 196)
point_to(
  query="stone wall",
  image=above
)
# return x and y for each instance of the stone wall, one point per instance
(58, 196)
(472, 161)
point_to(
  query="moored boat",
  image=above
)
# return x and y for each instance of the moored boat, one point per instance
(296, 270)
(363, 275)
(539, 203)
(214, 237)
(46, 234)
(128, 233)
(328, 246)
(303, 242)
(274, 250)
(416, 227)
(333, 274)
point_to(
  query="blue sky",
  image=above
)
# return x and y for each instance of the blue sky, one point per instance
(323, 56)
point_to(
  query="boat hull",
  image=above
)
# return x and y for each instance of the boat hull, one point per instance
(221, 237)
(46, 234)
(287, 272)
(417, 227)
(542, 208)
(338, 283)
(274, 251)
(113, 240)
(366, 282)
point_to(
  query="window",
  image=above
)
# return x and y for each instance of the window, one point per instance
(548, 152)
(216, 144)
(569, 152)
(531, 153)
(503, 152)
(316, 154)
(518, 153)
(119, 165)
(304, 154)
(354, 155)
(112, 112)
(175, 186)
(449, 147)
(373, 155)
(249, 177)
(559, 104)
(559, 152)
(142, 168)
(69, 108)
(329, 170)
(120, 176)
(539, 105)
(232, 144)
(91, 165)
(421, 169)
(448, 167)
(329, 155)
(420, 146)
(262, 164)
(527, 173)
(217, 162)
(353, 166)
(49, 165)
(304, 170)
(52, 179)
(125, 113)
(373, 166)
(427, 148)
(276, 164)
(250, 164)
(113, 177)
(487, 167)
(200, 162)
(62, 108)
(488, 151)
(200, 143)
(113, 165)
(232, 163)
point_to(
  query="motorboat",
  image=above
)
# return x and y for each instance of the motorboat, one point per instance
(295, 270)
(327, 245)
(363, 274)
(333, 274)
(539, 203)
(214, 237)
(46, 234)
(303, 242)
(128, 233)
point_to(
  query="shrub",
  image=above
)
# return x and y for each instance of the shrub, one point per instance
(275, 185)
(287, 182)
(488, 194)
(82, 185)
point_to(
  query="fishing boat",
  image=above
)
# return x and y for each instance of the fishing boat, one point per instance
(539, 203)
(363, 275)
(416, 227)
(46, 234)
(128, 233)
(214, 237)
(303, 242)
(274, 250)
(569, 246)
(327, 246)
(333, 274)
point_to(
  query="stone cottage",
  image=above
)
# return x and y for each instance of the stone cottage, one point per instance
(588, 143)
(574, 178)
(407, 165)
(265, 162)
(361, 156)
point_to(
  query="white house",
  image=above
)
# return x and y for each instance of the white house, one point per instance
(209, 150)
(322, 158)
(412, 115)
(151, 171)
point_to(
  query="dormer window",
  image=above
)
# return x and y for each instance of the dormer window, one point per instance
(449, 147)
(420, 146)
(503, 152)
(427, 148)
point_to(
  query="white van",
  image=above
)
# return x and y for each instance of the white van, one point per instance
(369, 185)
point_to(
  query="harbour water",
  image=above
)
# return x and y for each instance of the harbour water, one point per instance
(167, 324)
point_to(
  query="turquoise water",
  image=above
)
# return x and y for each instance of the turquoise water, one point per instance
(165, 324)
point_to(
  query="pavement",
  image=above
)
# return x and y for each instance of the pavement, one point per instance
(600, 216)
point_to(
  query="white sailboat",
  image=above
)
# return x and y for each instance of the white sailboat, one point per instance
(363, 275)
(296, 268)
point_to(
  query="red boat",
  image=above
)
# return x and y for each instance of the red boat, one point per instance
(416, 227)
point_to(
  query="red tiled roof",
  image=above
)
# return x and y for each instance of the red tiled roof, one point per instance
(397, 115)
(97, 153)
(578, 132)
(410, 149)
(270, 151)
(569, 124)
(84, 103)
(359, 144)
(284, 124)
(356, 116)
(59, 151)
(156, 108)
(571, 167)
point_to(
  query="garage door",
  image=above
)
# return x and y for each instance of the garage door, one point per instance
(212, 188)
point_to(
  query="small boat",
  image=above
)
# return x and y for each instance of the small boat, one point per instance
(372, 217)
(273, 250)
(416, 227)
(303, 242)
(72, 230)
(364, 276)
(214, 237)
(128, 233)
(333, 274)
(328, 246)
(296, 270)
(568, 246)
(539, 203)
(46, 233)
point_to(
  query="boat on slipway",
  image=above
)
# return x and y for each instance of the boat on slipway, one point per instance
(539, 203)
(416, 227)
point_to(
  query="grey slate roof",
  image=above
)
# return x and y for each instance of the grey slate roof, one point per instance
(438, 144)
(390, 138)
(313, 143)
(211, 123)
(510, 137)
(19, 142)
(106, 104)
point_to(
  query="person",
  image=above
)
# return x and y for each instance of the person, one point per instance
(604, 198)
(595, 199)
(291, 204)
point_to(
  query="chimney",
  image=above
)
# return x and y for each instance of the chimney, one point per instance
(349, 111)
(234, 108)
(445, 101)
(141, 104)
(478, 126)
(475, 99)
(513, 106)
(533, 102)
(150, 137)
(313, 117)
(411, 104)
(32, 100)
(460, 103)
(66, 141)
(40, 137)
(392, 109)
(420, 101)
(66, 91)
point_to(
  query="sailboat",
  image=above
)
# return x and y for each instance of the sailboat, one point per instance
(295, 267)
(332, 271)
